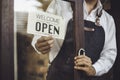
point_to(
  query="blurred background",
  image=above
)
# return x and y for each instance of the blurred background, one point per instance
(29, 64)
(33, 66)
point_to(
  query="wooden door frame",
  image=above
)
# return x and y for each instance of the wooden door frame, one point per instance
(6, 40)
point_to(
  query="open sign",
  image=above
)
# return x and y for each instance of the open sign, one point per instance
(42, 23)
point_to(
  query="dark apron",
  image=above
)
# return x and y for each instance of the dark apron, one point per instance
(62, 67)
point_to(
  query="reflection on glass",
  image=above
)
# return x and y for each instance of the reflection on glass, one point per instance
(30, 65)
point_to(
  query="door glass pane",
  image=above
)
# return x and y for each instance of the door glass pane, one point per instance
(29, 64)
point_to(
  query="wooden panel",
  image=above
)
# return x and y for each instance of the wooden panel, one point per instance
(115, 12)
(7, 40)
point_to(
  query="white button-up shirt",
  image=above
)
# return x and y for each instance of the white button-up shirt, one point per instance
(108, 54)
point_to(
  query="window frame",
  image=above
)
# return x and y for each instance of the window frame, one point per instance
(6, 40)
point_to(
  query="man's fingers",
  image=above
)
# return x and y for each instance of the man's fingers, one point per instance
(41, 39)
(82, 63)
(81, 56)
(39, 45)
(50, 42)
(45, 48)
(44, 38)
(46, 51)
(78, 61)
(82, 60)
(45, 43)
(48, 38)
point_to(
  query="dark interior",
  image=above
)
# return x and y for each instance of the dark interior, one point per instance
(115, 12)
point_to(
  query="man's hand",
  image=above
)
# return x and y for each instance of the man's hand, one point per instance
(44, 44)
(84, 63)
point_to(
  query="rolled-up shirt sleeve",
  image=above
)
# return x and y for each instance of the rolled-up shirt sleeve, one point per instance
(108, 55)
